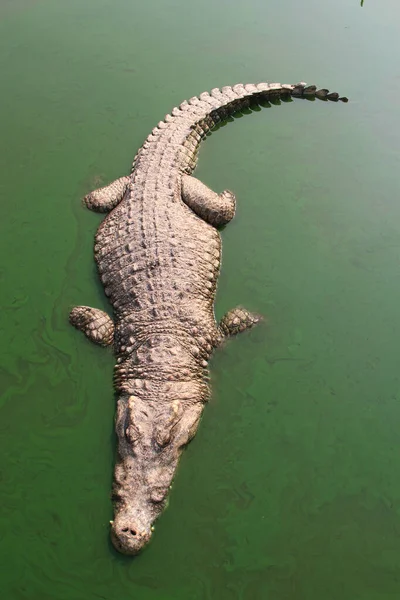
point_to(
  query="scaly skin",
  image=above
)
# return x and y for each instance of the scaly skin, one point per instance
(158, 254)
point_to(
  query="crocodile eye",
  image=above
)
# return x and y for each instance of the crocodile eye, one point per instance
(132, 434)
(163, 438)
(160, 443)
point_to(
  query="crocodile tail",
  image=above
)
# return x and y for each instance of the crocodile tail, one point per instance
(203, 113)
(189, 123)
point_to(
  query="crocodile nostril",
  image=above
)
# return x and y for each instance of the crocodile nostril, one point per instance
(126, 529)
(130, 536)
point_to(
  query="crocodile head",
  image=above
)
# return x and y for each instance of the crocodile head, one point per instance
(152, 429)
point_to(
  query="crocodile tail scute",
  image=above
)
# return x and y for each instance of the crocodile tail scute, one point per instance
(197, 116)
(207, 110)
(234, 99)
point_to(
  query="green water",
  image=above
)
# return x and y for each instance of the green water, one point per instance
(291, 489)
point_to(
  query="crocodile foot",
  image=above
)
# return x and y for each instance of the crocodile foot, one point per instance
(215, 209)
(237, 320)
(106, 198)
(94, 323)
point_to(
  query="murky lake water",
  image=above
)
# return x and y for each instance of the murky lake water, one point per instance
(291, 489)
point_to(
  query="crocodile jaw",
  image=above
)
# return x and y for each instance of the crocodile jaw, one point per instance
(140, 491)
(151, 436)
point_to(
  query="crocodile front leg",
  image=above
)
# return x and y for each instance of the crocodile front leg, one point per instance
(94, 323)
(216, 209)
(237, 320)
(106, 198)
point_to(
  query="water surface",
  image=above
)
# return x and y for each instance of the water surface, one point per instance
(290, 490)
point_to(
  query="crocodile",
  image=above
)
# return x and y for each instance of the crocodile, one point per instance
(158, 254)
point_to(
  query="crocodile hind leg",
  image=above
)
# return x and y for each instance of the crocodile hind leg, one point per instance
(106, 198)
(94, 323)
(216, 209)
(237, 320)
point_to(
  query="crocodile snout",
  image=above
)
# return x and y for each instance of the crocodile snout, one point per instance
(129, 537)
